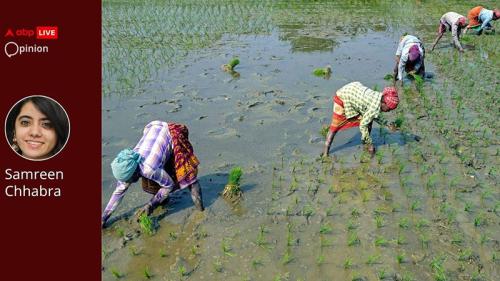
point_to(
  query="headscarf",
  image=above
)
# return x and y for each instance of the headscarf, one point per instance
(462, 21)
(413, 53)
(496, 13)
(125, 164)
(390, 97)
(185, 162)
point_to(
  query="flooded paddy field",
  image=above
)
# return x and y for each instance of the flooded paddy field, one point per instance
(424, 208)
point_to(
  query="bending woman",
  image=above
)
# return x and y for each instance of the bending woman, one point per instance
(164, 157)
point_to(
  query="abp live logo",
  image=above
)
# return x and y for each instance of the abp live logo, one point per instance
(46, 32)
(42, 32)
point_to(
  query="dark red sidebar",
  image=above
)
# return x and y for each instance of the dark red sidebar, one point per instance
(52, 48)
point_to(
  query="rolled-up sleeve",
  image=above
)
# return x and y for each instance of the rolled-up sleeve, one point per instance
(366, 120)
(401, 66)
(455, 35)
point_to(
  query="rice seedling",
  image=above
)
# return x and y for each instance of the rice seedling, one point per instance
(401, 240)
(401, 167)
(381, 241)
(351, 225)
(395, 207)
(307, 211)
(401, 258)
(457, 239)
(134, 251)
(419, 82)
(464, 255)
(324, 131)
(320, 260)
(480, 220)
(261, 239)
(194, 250)
(147, 273)
(424, 240)
(415, 206)
(495, 257)
(256, 263)
(172, 235)
(438, 269)
(373, 259)
(389, 77)
(357, 277)
(365, 196)
(382, 274)
(116, 273)
(399, 121)
(330, 211)
(404, 223)
(487, 194)
(422, 223)
(379, 221)
(290, 241)
(431, 181)
(355, 213)
(347, 263)
(120, 232)
(342, 198)
(232, 190)
(182, 271)
(483, 239)
(217, 265)
(325, 229)
(293, 186)
(379, 154)
(407, 276)
(478, 276)
(353, 239)
(146, 224)
(325, 242)
(163, 254)
(287, 257)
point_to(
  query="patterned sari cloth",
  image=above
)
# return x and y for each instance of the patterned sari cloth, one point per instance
(185, 162)
(183, 166)
(339, 121)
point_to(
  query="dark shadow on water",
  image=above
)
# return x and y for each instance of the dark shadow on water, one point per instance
(212, 186)
(396, 138)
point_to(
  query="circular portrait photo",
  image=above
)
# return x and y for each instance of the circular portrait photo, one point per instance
(37, 128)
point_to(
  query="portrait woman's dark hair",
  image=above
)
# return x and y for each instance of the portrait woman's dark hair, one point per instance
(51, 109)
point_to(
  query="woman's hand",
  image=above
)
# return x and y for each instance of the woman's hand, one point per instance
(370, 149)
(392, 127)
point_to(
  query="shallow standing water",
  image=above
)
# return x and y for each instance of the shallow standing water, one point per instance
(301, 218)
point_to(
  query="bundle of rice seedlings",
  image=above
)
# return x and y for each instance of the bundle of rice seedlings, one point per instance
(232, 190)
(323, 72)
(229, 67)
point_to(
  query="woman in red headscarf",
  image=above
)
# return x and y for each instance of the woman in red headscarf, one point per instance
(356, 105)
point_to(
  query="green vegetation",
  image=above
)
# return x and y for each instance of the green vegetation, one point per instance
(147, 273)
(429, 196)
(232, 190)
(116, 273)
(146, 224)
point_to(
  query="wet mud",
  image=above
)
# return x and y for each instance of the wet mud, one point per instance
(424, 208)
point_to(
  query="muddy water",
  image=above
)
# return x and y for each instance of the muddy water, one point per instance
(302, 218)
(275, 107)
